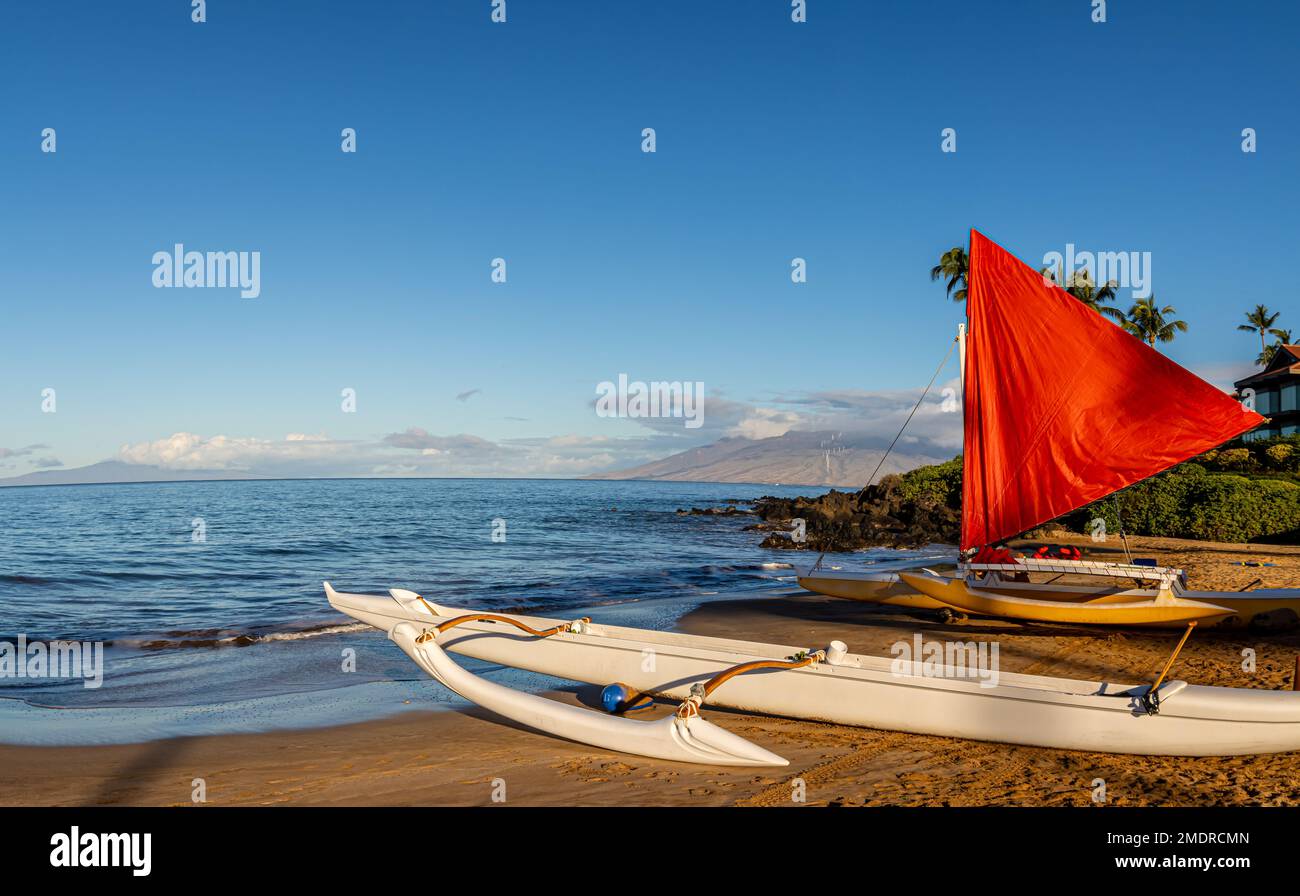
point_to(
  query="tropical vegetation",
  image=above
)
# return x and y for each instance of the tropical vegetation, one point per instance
(1260, 321)
(1081, 285)
(1244, 492)
(1151, 322)
(1145, 319)
(952, 267)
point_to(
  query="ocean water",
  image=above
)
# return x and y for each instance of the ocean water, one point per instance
(232, 632)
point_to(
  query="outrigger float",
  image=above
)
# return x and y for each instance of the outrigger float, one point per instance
(869, 587)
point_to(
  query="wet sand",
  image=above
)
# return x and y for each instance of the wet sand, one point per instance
(471, 758)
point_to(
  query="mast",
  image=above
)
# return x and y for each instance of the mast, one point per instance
(961, 350)
(961, 354)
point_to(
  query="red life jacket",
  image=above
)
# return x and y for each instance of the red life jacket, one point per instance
(1066, 552)
(988, 554)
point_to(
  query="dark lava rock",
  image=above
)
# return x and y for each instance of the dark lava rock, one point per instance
(912, 510)
(715, 511)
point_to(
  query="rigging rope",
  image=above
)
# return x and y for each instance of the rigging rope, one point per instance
(1151, 699)
(915, 408)
(1119, 517)
(700, 692)
(492, 617)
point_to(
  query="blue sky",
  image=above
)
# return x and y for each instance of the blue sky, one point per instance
(522, 140)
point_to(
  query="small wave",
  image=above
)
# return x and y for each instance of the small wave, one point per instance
(25, 580)
(778, 566)
(284, 551)
(123, 575)
(210, 638)
(327, 630)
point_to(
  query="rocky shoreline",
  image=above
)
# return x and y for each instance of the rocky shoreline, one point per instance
(850, 521)
(1228, 495)
(908, 510)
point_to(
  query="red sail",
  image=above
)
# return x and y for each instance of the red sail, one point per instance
(1062, 406)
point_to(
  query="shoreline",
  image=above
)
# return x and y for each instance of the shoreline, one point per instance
(458, 755)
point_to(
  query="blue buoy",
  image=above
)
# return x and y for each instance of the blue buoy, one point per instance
(619, 698)
(615, 696)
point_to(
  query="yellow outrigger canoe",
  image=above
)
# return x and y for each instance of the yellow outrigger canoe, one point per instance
(1142, 607)
(997, 596)
(889, 588)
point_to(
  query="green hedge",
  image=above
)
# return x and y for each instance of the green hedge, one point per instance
(1240, 492)
(1192, 502)
(935, 485)
(1278, 455)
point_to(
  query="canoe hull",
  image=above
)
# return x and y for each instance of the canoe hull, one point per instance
(871, 587)
(1263, 608)
(1164, 610)
(875, 692)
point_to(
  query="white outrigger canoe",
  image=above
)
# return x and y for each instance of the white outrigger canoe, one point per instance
(1177, 719)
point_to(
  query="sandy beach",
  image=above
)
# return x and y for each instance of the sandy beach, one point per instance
(461, 757)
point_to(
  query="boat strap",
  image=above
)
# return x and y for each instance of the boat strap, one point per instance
(1151, 699)
(701, 691)
(429, 634)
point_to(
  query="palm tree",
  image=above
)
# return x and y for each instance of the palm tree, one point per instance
(1148, 322)
(1082, 287)
(1284, 337)
(953, 265)
(1260, 321)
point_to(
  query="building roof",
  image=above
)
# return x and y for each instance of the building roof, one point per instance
(1286, 360)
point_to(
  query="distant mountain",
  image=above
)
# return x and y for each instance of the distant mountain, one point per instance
(796, 458)
(117, 471)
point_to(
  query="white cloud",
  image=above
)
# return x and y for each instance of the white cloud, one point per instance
(936, 426)
(190, 451)
(1225, 374)
(419, 439)
(873, 418)
(23, 451)
(867, 414)
(765, 423)
(414, 452)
